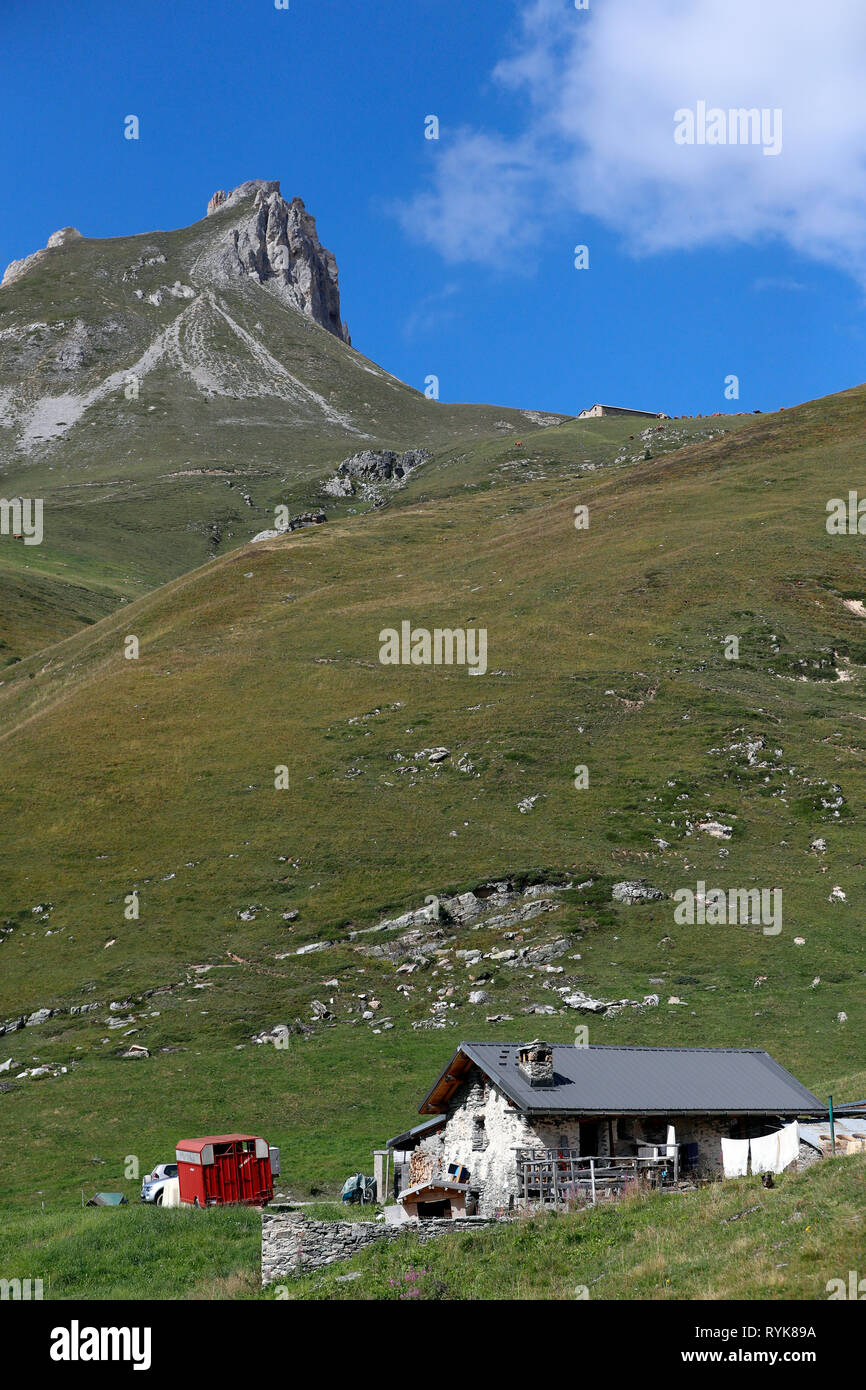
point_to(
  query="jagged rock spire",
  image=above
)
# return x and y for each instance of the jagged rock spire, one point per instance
(276, 243)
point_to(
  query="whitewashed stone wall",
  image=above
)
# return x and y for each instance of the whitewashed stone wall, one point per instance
(493, 1168)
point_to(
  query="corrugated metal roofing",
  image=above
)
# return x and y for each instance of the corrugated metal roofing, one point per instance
(607, 1080)
(399, 1140)
(854, 1129)
(196, 1145)
(851, 1107)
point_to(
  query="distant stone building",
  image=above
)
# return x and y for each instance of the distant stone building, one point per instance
(595, 412)
(515, 1124)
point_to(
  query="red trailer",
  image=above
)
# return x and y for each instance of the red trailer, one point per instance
(224, 1168)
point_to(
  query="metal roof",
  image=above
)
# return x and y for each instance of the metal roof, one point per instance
(196, 1145)
(845, 1129)
(399, 1140)
(607, 1080)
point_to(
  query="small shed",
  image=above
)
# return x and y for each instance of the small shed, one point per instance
(223, 1168)
(435, 1198)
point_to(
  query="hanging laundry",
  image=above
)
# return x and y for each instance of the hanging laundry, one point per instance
(789, 1144)
(765, 1153)
(735, 1157)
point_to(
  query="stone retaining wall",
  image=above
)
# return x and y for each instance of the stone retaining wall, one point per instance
(293, 1245)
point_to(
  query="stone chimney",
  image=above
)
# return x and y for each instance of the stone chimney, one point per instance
(535, 1063)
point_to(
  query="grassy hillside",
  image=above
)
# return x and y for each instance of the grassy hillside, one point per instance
(606, 649)
(239, 403)
(162, 410)
(735, 1241)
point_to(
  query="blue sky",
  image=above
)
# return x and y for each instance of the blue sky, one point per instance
(456, 256)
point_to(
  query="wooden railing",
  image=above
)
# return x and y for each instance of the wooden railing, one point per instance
(556, 1177)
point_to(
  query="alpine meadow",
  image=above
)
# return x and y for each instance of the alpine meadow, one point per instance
(346, 732)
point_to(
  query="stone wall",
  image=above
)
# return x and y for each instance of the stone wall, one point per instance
(293, 1245)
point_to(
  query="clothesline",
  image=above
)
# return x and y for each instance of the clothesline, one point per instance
(770, 1153)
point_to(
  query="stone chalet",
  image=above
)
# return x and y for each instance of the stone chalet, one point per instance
(516, 1124)
(596, 412)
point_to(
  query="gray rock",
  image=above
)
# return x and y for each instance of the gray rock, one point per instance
(276, 243)
(372, 472)
(339, 487)
(16, 269)
(548, 951)
(636, 890)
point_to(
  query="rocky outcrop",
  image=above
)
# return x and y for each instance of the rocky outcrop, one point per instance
(16, 269)
(276, 243)
(367, 471)
(636, 890)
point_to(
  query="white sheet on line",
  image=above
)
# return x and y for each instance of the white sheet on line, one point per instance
(773, 1152)
(765, 1154)
(789, 1144)
(735, 1157)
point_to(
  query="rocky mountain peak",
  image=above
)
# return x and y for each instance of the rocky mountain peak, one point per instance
(276, 243)
(16, 269)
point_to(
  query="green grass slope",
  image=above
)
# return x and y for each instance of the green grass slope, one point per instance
(736, 1241)
(156, 776)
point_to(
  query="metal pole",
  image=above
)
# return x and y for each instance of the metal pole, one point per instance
(592, 1178)
(832, 1128)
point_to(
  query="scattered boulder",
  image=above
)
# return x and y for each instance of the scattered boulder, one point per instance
(636, 890)
(716, 828)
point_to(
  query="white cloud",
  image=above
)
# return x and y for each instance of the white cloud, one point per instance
(596, 91)
(434, 311)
